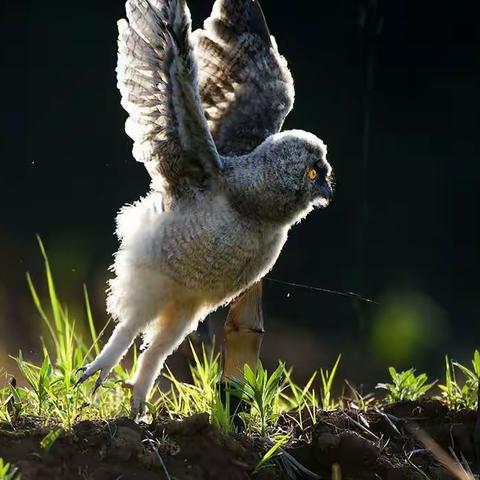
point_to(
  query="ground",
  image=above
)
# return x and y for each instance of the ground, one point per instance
(377, 444)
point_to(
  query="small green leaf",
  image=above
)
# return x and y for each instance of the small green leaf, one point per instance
(271, 453)
(47, 442)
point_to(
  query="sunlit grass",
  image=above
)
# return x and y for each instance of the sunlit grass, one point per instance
(268, 458)
(327, 400)
(7, 471)
(261, 392)
(457, 394)
(406, 385)
(50, 394)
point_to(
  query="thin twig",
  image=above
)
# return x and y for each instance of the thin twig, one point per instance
(389, 421)
(290, 464)
(463, 464)
(363, 428)
(416, 467)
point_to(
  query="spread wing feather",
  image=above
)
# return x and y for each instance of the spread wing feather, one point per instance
(157, 78)
(245, 85)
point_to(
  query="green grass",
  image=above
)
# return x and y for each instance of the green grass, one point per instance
(458, 391)
(406, 385)
(50, 393)
(461, 394)
(7, 471)
(267, 460)
(48, 388)
(261, 392)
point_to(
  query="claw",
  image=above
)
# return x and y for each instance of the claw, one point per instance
(98, 384)
(88, 372)
(81, 379)
(101, 378)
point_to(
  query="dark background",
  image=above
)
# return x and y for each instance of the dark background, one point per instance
(393, 89)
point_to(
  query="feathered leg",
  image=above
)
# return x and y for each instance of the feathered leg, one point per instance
(243, 333)
(114, 350)
(171, 328)
(134, 300)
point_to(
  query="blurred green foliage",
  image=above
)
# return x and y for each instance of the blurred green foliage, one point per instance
(406, 325)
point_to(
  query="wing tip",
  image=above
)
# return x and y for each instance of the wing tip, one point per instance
(260, 23)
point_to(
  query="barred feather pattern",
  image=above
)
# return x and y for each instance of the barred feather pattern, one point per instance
(246, 87)
(158, 80)
(219, 222)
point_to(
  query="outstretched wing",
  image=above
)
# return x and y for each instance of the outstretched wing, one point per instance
(245, 85)
(157, 78)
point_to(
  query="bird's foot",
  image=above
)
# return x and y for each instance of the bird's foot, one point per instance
(89, 370)
(138, 407)
(138, 402)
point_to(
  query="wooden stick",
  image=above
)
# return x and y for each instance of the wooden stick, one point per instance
(243, 333)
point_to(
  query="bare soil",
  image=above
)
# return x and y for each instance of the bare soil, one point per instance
(387, 445)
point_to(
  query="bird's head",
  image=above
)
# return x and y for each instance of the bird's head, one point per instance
(285, 177)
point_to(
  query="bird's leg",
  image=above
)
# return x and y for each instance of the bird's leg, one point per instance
(116, 347)
(172, 326)
(243, 337)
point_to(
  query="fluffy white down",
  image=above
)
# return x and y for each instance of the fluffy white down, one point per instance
(140, 289)
(201, 257)
(174, 267)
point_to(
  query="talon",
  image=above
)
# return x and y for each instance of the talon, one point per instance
(88, 372)
(98, 384)
(100, 380)
(81, 379)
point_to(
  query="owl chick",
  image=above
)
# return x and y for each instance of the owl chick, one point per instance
(205, 111)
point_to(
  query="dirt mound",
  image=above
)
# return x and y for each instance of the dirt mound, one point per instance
(387, 444)
(191, 450)
(395, 443)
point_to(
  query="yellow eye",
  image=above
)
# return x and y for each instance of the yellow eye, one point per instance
(312, 174)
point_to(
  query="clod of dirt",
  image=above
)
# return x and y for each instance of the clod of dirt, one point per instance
(385, 445)
(190, 450)
(206, 453)
(369, 445)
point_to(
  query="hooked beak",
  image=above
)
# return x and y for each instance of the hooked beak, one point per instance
(326, 193)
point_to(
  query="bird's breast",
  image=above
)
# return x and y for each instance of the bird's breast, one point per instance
(215, 251)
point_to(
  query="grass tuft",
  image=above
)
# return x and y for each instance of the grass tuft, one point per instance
(48, 388)
(405, 385)
(7, 471)
(457, 394)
